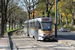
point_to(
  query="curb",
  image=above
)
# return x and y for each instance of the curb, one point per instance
(72, 31)
(65, 42)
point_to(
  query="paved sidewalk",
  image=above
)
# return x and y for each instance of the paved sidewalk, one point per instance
(65, 41)
(4, 43)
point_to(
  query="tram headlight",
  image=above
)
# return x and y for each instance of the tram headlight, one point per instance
(44, 34)
(43, 19)
(49, 34)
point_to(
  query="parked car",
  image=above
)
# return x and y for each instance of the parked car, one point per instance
(63, 29)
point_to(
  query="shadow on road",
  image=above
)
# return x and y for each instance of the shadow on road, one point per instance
(53, 40)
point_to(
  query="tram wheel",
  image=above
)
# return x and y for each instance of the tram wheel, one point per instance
(28, 35)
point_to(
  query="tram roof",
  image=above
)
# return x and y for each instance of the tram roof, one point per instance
(37, 19)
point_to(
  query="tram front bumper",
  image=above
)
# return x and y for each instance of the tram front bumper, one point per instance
(47, 37)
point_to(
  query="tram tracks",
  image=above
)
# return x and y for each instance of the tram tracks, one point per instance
(28, 43)
(24, 42)
(37, 44)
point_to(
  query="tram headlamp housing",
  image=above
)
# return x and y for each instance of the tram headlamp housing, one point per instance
(43, 19)
(44, 34)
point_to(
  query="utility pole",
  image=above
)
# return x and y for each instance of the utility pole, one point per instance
(9, 17)
(55, 18)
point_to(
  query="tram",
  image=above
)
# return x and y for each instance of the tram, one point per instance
(39, 28)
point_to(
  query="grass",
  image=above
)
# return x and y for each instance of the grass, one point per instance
(11, 30)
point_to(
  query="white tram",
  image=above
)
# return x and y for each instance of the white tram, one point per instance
(39, 28)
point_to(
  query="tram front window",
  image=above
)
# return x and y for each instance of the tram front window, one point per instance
(46, 26)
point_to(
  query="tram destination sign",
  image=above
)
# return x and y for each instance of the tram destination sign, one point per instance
(46, 19)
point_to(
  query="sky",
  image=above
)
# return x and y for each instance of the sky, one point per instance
(21, 2)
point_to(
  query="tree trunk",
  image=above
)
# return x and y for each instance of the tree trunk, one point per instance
(12, 23)
(9, 18)
(66, 21)
(17, 23)
(3, 15)
(4, 26)
(60, 20)
(72, 22)
(6, 18)
(9, 23)
(0, 16)
(73, 18)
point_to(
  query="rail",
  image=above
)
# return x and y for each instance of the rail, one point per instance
(11, 42)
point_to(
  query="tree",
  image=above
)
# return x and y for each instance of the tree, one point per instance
(45, 5)
(0, 17)
(40, 7)
(4, 15)
(73, 12)
(64, 11)
(28, 4)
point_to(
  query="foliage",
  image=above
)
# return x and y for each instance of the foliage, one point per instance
(64, 11)
(40, 7)
(15, 14)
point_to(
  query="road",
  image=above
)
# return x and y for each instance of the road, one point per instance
(22, 42)
(69, 34)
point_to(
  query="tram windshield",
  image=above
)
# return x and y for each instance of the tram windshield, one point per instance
(46, 25)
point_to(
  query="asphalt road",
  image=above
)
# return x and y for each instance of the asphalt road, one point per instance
(68, 35)
(23, 42)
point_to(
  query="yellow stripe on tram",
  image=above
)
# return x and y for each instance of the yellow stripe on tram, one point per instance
(44, 32)
(32, 29)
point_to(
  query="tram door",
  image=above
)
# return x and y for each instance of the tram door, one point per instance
(36, 30)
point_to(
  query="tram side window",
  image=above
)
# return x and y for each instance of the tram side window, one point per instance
(33, 25)
(30, 25)
(39, 26)
(25, 25)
